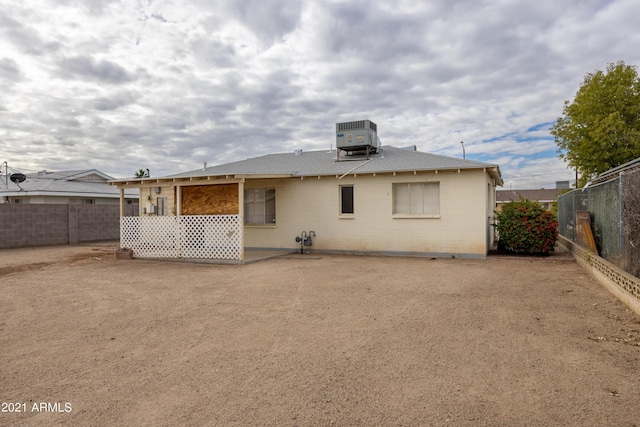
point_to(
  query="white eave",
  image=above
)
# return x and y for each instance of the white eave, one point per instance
(156, 182)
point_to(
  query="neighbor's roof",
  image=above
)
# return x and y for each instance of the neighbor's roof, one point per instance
(541, 195)
(323, 163)
(76, 183)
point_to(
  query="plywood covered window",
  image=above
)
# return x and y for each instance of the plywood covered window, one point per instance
(419, 199)
(260, 206)
(221, 199)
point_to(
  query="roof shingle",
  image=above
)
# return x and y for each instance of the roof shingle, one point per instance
(318, 163)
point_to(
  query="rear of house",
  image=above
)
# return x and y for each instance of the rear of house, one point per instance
(371, 199)
(442, 213)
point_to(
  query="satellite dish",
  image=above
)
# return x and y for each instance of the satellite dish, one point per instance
(17, 177)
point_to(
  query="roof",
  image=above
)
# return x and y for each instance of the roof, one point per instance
(75, 183)
(323, 163)
(541, 195)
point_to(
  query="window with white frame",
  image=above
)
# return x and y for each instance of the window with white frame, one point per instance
(260, 206)
(346, 200)
(420, 199)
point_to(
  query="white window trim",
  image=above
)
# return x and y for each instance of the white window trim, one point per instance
(265, 224)
(417, 216)
(342, 215)
(414, 216)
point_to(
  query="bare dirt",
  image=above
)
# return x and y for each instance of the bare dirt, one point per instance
(86, 339)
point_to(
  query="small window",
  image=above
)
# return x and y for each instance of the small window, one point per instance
(346, 200)
(260, 206)
(420, 199)
(162, 205)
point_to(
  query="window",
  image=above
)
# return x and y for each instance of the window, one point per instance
(162, 206)
(346, 199)
(417, 199)
(260, 206)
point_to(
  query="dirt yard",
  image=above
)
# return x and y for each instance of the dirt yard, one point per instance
(311, 340)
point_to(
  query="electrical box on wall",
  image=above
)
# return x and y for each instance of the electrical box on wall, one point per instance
(156, 190)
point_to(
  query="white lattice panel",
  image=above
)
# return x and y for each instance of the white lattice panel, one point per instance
(211, 236)
(156, 237)
(192, 236)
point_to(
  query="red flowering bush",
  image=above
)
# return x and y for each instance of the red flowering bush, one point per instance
(526, 227)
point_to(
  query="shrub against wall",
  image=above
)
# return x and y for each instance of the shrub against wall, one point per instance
(526, 227)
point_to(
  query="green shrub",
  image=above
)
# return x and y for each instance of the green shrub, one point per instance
(526, 227)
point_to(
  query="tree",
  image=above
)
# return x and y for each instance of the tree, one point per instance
(600, 129)
(142, 173)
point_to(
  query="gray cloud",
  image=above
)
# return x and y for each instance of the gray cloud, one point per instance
(115, 101)
(212, 53)
(270, 20)
(25, 38)
(93, 7)
(168, 85)
(9, 71)
(86, 67)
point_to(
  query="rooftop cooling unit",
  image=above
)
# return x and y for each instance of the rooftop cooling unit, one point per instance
(357, 136)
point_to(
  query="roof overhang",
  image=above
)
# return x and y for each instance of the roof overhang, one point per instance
(191, 180)
(493, 171)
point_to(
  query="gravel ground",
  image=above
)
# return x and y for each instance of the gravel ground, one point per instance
(312, 340)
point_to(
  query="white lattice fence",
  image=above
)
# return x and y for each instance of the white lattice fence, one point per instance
(211, 236)
(156, 237)
(193, 236)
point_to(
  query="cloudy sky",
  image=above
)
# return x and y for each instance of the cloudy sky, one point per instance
(169, 85)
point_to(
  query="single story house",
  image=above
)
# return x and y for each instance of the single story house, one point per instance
(66, 187)
(359, 198)
(547, 197)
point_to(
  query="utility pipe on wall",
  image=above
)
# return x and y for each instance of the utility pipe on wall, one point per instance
(354, 168)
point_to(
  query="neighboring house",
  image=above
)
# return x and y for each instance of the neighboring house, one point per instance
(67, 187)
(386, 200)
(546, 197)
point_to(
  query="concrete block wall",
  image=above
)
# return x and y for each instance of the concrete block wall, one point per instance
(24, 225)
(620, 283)
(33, 225)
